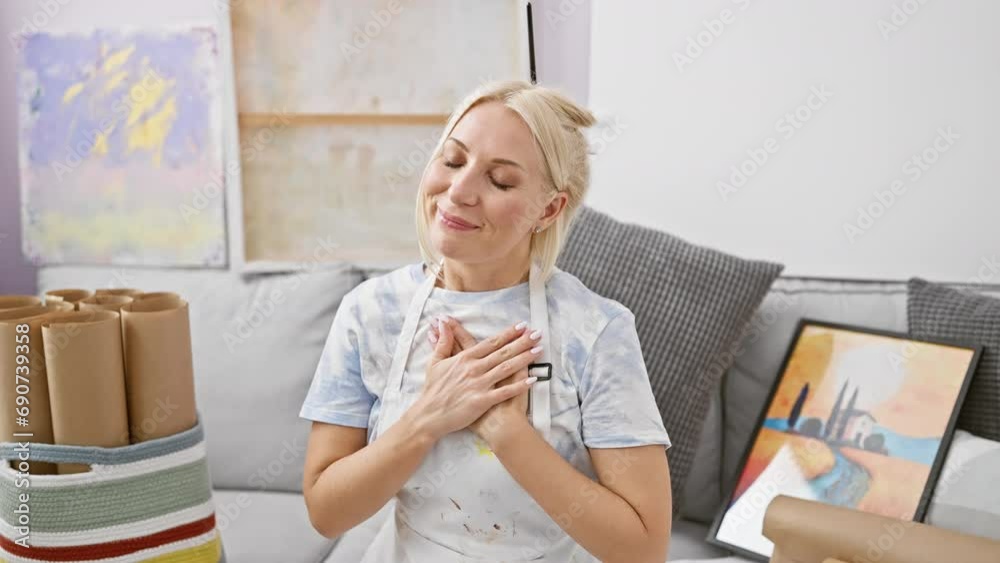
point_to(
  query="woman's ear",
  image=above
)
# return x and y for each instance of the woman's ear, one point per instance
(555, 207)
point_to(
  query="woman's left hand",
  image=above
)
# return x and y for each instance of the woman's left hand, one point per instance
(502, 417)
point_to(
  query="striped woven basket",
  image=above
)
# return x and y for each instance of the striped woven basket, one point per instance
(149, 502)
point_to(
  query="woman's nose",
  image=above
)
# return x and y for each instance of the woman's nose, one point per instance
(463, 190)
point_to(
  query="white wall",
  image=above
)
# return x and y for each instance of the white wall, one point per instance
(562, 45)
(18, 16)
(686, 122)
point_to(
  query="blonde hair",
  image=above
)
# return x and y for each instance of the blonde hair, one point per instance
(557, 124)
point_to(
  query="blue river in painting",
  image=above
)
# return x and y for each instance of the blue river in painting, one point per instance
(847, 482)
(920, 450)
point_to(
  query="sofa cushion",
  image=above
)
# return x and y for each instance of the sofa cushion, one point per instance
(256, 342)
(687, 543)
(264, 527)
(703, 490)
(966, 498)
(937, 311)
(690, 303)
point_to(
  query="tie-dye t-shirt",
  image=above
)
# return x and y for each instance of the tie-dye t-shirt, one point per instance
(600, 391)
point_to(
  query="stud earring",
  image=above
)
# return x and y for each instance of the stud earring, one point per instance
(538, 229)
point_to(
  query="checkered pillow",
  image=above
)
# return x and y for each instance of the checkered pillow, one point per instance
(936, 311)
(690, 304)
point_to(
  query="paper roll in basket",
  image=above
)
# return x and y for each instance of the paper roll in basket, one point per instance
(159, 369)
(143, 502)
(129, 291)
(812, 532)
(33, 380)
(18, 301)
(155, 295)
(104, 302)
(71, 296)
(83, 353)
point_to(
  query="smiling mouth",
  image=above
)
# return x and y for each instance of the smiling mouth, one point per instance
(454, 222)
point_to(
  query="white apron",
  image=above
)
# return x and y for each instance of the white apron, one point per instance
(461, 504)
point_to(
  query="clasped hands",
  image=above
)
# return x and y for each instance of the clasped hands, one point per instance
(479, 385)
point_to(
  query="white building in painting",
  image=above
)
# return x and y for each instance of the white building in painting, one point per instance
(860, 425)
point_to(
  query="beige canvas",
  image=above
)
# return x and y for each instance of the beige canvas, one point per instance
(372, 56)
(330, 192)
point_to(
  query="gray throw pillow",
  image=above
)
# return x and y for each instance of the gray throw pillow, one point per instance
(690, 303)
(966, 498)
(937, 311)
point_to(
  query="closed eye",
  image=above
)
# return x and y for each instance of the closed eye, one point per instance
(503, 187)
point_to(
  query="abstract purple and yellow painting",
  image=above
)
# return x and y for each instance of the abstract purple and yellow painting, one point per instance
(121, 147)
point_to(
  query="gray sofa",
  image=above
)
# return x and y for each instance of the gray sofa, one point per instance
(257, 340)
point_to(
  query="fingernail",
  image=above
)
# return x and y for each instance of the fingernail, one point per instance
(536, 349)
(535, 335)
(436, 322)
(520, 325)
(432, 337)
(530, 380)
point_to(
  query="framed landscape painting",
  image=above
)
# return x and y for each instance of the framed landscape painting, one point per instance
(858, 418)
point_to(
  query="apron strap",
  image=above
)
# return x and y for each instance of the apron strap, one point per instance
(542, 368)
(394, 383)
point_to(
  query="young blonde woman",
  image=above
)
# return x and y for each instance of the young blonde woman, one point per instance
(504, 405)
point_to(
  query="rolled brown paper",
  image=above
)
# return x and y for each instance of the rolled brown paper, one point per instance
(51, 306)
(39, 414)
(18, 301)
(810, 532)
(156, 295)
(59, 306)
(129, 291)
(71, 296)
(83, 352)
(159, 371)
(104, 302)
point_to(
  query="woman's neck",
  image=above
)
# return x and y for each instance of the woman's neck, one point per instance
(486, 276)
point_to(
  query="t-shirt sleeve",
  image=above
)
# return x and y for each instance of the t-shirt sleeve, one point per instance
(338, 394)
(617, 404)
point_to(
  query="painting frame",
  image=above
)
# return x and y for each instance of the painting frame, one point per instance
(927, 491)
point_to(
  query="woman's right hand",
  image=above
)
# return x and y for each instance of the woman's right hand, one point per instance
(459, 388)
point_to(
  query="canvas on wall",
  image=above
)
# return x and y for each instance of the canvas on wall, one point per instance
(329, 192)
(121, 147)
(857, 419)
(373, 56)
